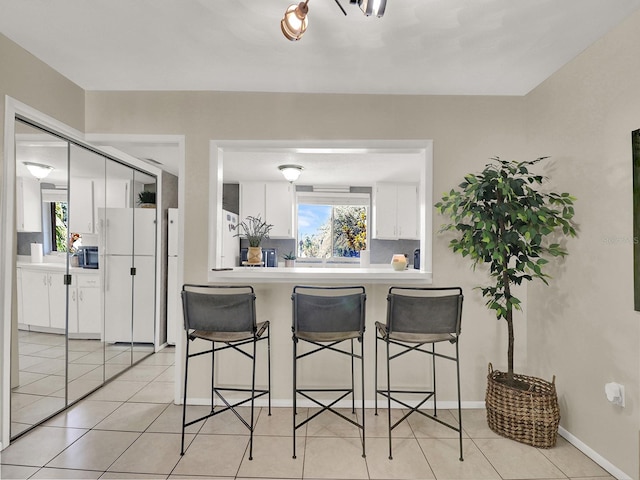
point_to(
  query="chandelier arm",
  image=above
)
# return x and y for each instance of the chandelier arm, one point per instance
(341, 8)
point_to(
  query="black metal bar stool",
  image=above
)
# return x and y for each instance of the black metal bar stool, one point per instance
(325, 317)
(417, 317)
(226, 315)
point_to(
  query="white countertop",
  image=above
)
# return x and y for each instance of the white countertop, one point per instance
(56, 266)
(328, 275)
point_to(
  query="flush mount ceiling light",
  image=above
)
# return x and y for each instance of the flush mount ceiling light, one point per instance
(291, 172)
(38, 170)
(294, 22)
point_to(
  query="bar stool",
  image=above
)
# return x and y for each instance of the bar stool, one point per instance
(227, 315)
(419, 316)
(326, 317)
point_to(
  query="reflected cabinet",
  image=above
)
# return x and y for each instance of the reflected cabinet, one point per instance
(78, 323)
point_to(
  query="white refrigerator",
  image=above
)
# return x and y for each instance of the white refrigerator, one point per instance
(128, 239)
(174, 302)
(230, 249)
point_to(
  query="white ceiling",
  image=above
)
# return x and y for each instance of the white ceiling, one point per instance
(456, 47)
(461, 47)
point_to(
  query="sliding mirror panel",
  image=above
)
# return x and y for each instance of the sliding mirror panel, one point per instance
(144, 262)
(85, 343)
(38, 334)
(116, 254)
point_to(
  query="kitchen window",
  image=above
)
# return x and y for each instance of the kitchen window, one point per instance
(331, 226)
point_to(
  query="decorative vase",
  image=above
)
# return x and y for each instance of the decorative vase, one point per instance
(147, 205)
(254, 255)
(399, 262)
(289, 263)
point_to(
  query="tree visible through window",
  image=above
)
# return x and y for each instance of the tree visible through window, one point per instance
(59, 216)
(326, 231)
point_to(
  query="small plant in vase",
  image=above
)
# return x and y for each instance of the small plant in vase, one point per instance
(147, 199)
(254, 229)
(289, 260)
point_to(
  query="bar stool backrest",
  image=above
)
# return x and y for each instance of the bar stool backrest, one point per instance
(332, 309)
(424, 310)
(218, 308)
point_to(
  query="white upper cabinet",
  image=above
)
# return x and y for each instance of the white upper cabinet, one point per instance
(272, 201)
(29, 205)
(81, 211)
(395, 211)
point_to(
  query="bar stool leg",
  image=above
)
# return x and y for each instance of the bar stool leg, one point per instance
(253, 398)
(433, 364)
(213, 373)
(389, 397)
(362, 392)
(459, 405)
(269, 365)
(375, 378)
(353, 391)
(295, 356)
(184, 400)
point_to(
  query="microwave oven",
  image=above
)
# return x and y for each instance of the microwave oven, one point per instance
(88, 257)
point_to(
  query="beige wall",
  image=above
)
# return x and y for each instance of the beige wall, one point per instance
(466, 131)
(584, 328)
(30, 81)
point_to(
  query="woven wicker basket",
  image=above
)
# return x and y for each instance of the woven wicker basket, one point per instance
(530, 416)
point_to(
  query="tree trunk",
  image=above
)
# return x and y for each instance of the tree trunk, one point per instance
(509, 319)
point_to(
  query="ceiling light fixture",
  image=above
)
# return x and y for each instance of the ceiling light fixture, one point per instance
(373, 7)
(291, 172)
(38, 170)
(294, 22)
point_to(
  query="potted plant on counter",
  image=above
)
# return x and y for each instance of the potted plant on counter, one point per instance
(501, 219)
(289, 260)
(255, 230)
(147, 199)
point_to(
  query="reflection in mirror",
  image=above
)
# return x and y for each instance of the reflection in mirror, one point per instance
(116, 258)
(85, 346)
(144, 261)
(38, 347)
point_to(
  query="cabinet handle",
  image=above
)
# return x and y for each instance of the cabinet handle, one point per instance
(81, 296)
(44, 279)
(49, 279)
(73, 295)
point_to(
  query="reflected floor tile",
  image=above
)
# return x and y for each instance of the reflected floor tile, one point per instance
(29, 348)
(84, 345)
(21, 400)
(86, 414)
(46, 367)
(131, 476)
(160, 358)
(153, 453)
(326, 457)
(516, 460)
(51, 352)
(132, 417)
(408, 460)
(44, 386)
(199, 457)
(39, 410)
(80, 387)
(272, 458)
(18, 428)
(39, 446)
(94, 451)
(118, 390)
(572, 461)
(443, 456)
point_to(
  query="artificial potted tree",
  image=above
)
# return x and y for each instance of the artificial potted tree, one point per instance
(502, 219)
(289, 259)
(255, 230)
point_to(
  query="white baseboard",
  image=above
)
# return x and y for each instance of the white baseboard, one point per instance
(593, 455)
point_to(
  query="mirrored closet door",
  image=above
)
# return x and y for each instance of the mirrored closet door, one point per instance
(85, 273)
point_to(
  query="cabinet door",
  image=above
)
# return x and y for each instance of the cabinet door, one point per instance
(144, 301)
(28, 205)
(385, 207)
(144, 238)
(35, 298)
(407, 217)
(279, 209)
(89, 311)
(118, 297)
(252, 200)
(81, 206)
(58, 301)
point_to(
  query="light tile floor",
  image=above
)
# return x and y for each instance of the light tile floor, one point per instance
(131, 429)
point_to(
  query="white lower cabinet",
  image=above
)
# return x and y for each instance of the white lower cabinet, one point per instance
(42, 300)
